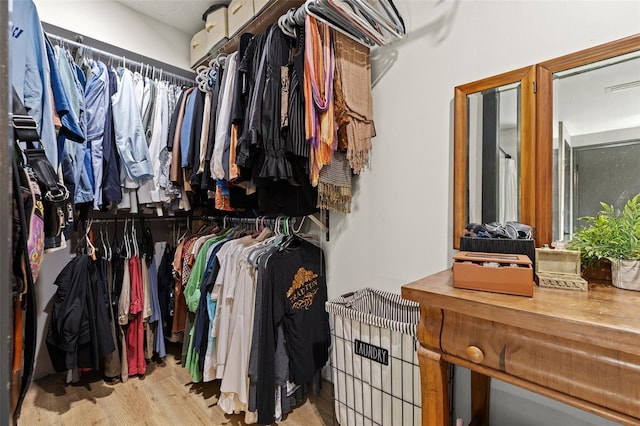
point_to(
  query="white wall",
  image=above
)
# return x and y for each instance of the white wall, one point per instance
(401, 229)
(113, 23)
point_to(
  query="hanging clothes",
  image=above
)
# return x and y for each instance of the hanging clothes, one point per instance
(135, 330)
(79, 333)
(166, 290)
(274, 165)
(318, 93)
(130, 138)
(242, 293)
(353, 70)
(73, 153)
(111, 192)
(155, 320)
(111, 361)
(158, 147)
(148, 106)
(30, 72)
(295, 293)
(124, 306)
(223, 122)
(97, 104)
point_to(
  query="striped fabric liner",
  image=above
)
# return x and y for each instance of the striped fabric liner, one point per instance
(378, 308)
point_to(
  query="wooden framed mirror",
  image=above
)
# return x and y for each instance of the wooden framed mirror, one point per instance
(588, 135)
(494, 157)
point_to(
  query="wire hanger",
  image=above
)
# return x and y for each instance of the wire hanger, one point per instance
(90, 249)
(134, 240)
(104, 245)
(285, 27)
(125, 239)
(221, 59)
(368, 24)
(297, 231)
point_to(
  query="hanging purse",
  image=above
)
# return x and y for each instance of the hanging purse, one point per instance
(55, 196)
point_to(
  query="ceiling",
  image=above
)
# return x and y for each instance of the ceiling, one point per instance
(185, 16)
(599, 99)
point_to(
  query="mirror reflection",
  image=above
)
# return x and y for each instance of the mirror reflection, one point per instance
(493, 146)
(596, 137)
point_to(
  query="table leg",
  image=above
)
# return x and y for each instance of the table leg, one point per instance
(480, 395)
(435, 388)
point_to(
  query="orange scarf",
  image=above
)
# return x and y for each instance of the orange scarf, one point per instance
(320, 127)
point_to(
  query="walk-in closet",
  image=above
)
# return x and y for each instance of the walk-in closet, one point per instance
(171, 213)
(205, 201)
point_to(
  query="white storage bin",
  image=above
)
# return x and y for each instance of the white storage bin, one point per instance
(198, 47)
(217, 27)
(259, 4)
(240, 12)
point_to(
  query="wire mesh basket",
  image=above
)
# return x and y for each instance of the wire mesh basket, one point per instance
(374, 361)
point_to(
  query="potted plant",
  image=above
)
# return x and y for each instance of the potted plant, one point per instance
(613, 235)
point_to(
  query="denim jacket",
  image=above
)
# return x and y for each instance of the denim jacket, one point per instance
(29, 70)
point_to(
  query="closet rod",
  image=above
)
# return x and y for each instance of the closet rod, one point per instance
(62, 41)
(260, 220)
(295, 221)
(146, 219)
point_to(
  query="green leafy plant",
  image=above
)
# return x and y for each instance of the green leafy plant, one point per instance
(611, 234)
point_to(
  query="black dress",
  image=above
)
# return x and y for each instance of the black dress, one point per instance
(296, 142)
(274, 164)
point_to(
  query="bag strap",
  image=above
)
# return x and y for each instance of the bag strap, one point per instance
(25, 128)
(31, 320)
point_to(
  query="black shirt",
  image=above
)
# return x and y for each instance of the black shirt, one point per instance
(294, 293)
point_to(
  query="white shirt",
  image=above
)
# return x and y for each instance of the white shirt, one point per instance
(224, 119)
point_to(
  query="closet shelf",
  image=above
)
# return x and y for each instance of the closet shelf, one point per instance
(268, 15)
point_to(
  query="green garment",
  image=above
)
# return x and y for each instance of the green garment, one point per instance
(192, 289)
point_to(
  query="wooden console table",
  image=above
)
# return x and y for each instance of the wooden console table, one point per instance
(579, 348)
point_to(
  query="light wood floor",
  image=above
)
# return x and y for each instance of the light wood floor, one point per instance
(165, 396)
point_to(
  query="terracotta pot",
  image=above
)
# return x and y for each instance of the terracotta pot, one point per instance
(598, 271)
(626, 274)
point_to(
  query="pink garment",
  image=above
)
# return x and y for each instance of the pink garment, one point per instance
(135, 331)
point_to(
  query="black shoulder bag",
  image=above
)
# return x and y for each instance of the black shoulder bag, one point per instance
(55, 196)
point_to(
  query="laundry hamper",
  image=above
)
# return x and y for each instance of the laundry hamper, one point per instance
(374, 361)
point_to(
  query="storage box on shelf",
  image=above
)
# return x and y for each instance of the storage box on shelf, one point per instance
(214, 34)
(265, 15)
(240, 13)
(258, 5)
(559, 269)
(198, 47)
(217, 27)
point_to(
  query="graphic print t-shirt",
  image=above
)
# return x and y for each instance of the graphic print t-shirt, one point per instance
(300, 293)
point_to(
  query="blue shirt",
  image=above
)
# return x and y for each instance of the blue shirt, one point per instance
(185, 131)
(72, 85)
(82, 182)
(96, 100)
(111, 190)
(130, 137)
(96, 97)
(70, 123)
(29, 71)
